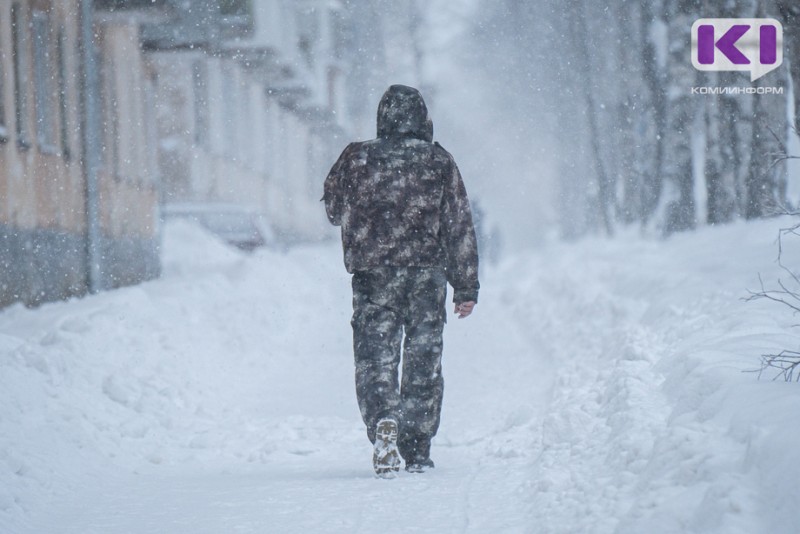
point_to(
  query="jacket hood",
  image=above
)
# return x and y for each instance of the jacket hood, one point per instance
(403, 113)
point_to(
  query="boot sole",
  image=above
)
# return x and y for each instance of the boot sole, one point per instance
(385, 456)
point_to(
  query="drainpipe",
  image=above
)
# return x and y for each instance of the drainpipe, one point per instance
(92, 148)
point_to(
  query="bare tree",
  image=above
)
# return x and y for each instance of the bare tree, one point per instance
(722, 159)
(678, 196)
(629, 125)
(728, 134)
(638, 121)
(653, 46)
(786, 362)
(605, 189)
(766, 180)
(790, 15)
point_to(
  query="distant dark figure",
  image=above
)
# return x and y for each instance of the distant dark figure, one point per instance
(406, 231)
(489, 239)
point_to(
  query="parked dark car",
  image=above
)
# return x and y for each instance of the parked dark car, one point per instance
(238, 226)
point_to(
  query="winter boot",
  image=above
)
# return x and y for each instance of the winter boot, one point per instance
(385, 457)
(419, 465)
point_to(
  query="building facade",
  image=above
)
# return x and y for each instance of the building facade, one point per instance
(111, 109)
(251, 111)
(44, 237)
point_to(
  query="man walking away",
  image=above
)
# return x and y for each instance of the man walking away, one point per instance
(406, 232)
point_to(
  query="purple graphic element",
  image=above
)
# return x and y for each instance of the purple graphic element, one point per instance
(738, 44)
(727, 44)
(769, 45)
(705, 44)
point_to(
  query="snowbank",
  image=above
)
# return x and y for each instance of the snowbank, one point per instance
(597, 388)
(653, 426)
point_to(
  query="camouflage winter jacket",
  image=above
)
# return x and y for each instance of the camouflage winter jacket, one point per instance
(400, 199)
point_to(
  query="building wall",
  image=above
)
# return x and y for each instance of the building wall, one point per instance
(175, 121)
(236, 176)
(128, 187)
(42, 219)
(209, 117)
(43, 193)
(266, 93)
(252, 120)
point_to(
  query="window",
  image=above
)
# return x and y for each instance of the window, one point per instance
(151, 130)
(109, 121)
(309, 34)
(43, 81)
(200, 89)
(112, 115)
(19, 36)
(237, 15)
(236, 8)
(230, 109)
(338, 32)
(3, 129)
(62, 96)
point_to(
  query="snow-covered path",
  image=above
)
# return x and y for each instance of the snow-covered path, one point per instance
(221, 399)
(597, 388)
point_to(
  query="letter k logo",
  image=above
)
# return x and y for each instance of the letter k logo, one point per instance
(726, 44)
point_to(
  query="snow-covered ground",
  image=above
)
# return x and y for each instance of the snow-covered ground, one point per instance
(597, 388)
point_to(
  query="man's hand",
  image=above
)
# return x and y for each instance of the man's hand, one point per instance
(464, 309)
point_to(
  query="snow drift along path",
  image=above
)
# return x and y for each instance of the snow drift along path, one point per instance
(597, 388)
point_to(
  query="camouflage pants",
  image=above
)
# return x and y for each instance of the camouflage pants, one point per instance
(386, 302)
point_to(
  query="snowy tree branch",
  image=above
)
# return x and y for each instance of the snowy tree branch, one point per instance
(786, 362)
(784, 154)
